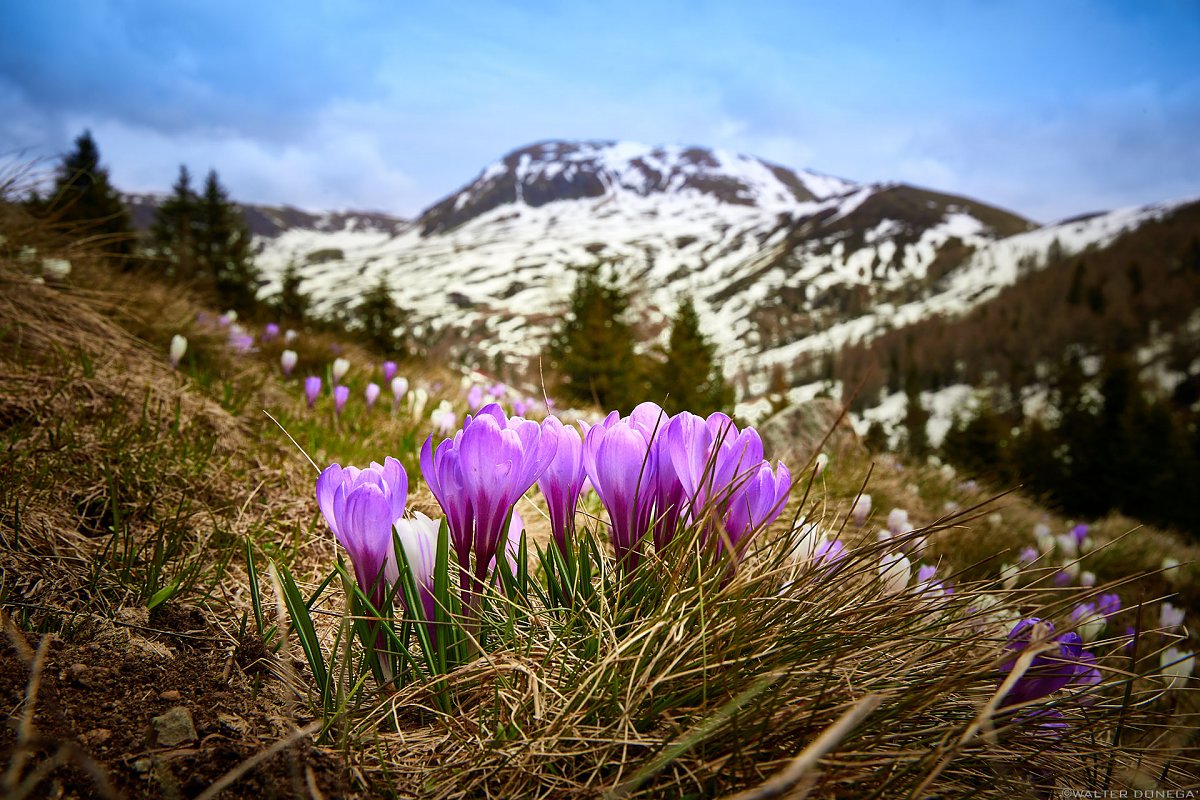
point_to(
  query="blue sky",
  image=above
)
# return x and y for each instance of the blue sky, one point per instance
(1050, 108)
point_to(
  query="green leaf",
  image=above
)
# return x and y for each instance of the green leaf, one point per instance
(163, 595)
(303, 625)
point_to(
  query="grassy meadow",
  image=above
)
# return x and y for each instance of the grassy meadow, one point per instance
(162, 548)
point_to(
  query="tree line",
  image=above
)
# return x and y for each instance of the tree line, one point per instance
(199, 238)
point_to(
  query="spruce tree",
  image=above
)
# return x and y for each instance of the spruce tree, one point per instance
(690, 378)
(176, 226)
(291, 302)
(85, 202)
(223, 247)
(381, 319)
(592, 352)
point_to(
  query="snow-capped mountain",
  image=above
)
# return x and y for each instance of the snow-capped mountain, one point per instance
(775, 255)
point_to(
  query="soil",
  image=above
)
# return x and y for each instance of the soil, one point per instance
(97, 700)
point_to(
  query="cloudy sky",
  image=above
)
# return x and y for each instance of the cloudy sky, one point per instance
(1047, 108)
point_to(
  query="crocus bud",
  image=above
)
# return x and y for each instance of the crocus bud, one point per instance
(289, 336)
(895, 570)
(340, 367)
(340, 395)
(389, 371)
(270, 331)
(419, 398)
(287, 361)
(399, 389)
(178, 348)
(1067, 544)
(897, 521)
(822, 462)
(1177, 666)
(862, 507)
(475, 398)
(312, 389)
(372, 394)
(1009, 574)
(1169, 616)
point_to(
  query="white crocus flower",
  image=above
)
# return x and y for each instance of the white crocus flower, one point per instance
(1177, 666)
(1090, 627)
(287, 361)
(419, 398)
(895, 571)
(178, 348)
(862, 508)
(340, 367)
(1169, 616)
(1009, 573)
(822, 462)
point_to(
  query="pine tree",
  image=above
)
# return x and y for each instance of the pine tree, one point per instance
(176, 226)
(85, 201)
(690, 378)
(292, 303)
(223, 247)
(592, 352)
(381, 319)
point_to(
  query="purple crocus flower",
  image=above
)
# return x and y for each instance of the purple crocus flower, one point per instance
(475, 398)
(563, 479)
(340, 395)
(521, 406)
(478, 476)
(829, 553)
(1080, 533)
(1028, 555)
(621, 465)
(312, 389)
(1062, 666)
(389, 371)
(242, 343)
(670, 495)
(756, 503)
(498, 390)
(1108, 604)
(270, 331)
(371, 395)
(927, 572)
(361, 506)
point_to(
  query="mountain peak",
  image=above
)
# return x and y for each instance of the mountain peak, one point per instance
(553, 171)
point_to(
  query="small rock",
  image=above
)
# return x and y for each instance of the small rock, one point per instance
(85, 676)
(96, 736)
(143, 765)
(171, 694)
(175, 727)
(233, 723)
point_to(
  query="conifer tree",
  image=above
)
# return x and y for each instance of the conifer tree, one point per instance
(380, 318)
(592, 352)
(223, 247)
(292, 302)
(690, 378)
(85, 202)
(176, 226)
